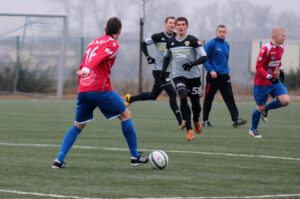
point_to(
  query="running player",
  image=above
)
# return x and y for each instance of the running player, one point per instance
(266, 80)
(159, 40)
(185, 49)
(95, 91)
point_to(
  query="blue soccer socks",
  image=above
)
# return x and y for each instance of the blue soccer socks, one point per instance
(130, 135)
(68, 141)
(273, 105)
(74, 131)
(255, 119)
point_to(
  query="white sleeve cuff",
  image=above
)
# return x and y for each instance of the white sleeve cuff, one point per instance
(269, 76)
(86, 70)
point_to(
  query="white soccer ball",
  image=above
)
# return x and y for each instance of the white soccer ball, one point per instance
(158, 159)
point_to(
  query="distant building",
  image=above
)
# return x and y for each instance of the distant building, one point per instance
(290, 59)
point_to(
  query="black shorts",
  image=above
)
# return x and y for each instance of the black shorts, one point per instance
(192, 86)
(157, 78)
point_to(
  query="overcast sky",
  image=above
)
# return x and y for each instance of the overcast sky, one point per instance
(51, 6)
(132, 14)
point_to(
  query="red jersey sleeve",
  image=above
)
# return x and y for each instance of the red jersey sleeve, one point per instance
(262, 58)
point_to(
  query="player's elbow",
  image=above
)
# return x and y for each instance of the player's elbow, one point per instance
(201, 60)
(204, 59)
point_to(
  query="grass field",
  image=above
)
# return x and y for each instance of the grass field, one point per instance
(222, 162)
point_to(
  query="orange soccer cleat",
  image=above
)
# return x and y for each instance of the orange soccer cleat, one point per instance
(190, 135)
(198, 127)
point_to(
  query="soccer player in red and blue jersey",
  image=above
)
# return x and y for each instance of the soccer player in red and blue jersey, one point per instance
(95, 91)
(266, 81)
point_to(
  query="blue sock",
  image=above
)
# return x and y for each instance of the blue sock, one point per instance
(273, 105)
(130, 135)
(255, 119)
(68, 141)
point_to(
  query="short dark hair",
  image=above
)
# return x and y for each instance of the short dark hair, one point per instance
(221, 26)
(170, 17)
(182, 19)
(113, 26)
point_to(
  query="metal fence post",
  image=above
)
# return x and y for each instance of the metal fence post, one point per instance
(18, 66)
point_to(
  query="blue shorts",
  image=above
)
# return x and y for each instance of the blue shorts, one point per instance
(109, 102)
(261, 92)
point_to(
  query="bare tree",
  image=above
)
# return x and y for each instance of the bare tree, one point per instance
(245, 20)
(291, 22)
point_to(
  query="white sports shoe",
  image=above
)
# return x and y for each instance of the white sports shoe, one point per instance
(255, 134)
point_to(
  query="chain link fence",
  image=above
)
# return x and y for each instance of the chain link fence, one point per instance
(125, 73)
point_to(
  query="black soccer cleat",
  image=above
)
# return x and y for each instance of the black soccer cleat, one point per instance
(58, 165)
(264, 116)
(182, 125)
(239, 122)
(138, 161)
(206, 123)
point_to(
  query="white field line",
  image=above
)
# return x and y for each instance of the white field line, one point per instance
(202, 197)
(169, 151)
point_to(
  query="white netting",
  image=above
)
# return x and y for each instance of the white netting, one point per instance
(30, 53)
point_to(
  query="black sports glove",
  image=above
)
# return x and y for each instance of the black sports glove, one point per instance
(281, 75)
(272, 79)
(150, 60)
(187, 66)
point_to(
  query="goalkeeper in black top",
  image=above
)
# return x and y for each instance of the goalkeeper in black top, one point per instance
(159, 40)
(187, 53)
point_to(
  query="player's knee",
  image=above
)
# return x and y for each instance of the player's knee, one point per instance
(172, 94)
(196, 106)
(80, 126)
(126, 115)
(285, 101)
(183, 100)
(182, 97)
(261, 108)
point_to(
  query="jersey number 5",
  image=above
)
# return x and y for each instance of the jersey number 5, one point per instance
(196, 91)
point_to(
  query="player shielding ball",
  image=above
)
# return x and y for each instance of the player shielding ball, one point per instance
(266, 80)
(95, 91)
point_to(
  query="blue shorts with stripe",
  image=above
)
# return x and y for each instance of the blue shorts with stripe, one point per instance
(109, 102)
(261, 92)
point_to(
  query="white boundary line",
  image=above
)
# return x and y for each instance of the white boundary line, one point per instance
(169, 151)
(210, 197)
